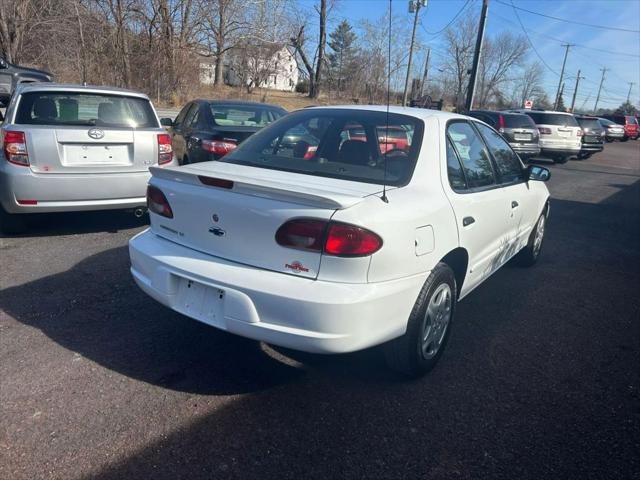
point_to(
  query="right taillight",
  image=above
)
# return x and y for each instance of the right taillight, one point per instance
(157, 202)
(330, 238)
(219, 147)
(15, 148)
(544, 131)
(165, 148)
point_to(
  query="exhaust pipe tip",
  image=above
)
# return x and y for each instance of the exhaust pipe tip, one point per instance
(139, 212)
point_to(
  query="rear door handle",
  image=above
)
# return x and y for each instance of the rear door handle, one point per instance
(466, 221)
(514, 204)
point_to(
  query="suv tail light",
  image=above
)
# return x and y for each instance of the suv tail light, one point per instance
(165, 148)
(579, 132)
(331, 238)
(219, 147)
(15, 148)
(157, 202)
(500, 123)
(544, 131)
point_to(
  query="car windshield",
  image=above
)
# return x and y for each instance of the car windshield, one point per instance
(517, 121)
(85, 109)
(589, 123)
(543, 118)
(243, 115)
(349, 144)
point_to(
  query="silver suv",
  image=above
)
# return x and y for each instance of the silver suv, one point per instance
(560, 134)
(69, 148)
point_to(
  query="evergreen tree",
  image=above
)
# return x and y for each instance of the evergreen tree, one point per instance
(341, 42)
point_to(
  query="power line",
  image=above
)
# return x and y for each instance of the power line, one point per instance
(603, 27)
(524, 30)
(434, 34)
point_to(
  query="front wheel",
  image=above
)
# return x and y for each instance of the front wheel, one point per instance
(528, 256)
(419, 349)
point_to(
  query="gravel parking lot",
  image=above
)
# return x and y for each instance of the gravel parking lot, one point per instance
(541, 377)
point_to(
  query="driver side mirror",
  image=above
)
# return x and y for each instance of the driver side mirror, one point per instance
(536, 172)
(166, 122)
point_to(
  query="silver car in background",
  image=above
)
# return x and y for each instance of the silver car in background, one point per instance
(613, 131)
(71, 148)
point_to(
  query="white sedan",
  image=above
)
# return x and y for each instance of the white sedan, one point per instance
(339, 228)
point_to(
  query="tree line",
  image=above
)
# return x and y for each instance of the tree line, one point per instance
(158, 46)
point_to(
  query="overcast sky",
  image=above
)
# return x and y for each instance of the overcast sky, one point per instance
(596, 47)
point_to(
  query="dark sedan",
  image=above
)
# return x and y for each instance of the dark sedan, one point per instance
(209, 129)
(592, 138)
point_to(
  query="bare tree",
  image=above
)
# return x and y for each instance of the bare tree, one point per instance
(528, 85)
(499, 56)
(459, 43)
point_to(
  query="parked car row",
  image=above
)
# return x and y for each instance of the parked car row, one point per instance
(332, 229)
(557, 135)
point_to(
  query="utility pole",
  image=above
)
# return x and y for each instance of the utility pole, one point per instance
(631, 84)
(595, 107)
(426, 73)
(476, 55)
(564, 62)
(414, 6)
(575, 90)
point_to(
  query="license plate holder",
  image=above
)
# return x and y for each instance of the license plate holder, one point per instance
(200, 301)
(523, 137)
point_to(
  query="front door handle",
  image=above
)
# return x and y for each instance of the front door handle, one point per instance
(466, 221)
(514, 204)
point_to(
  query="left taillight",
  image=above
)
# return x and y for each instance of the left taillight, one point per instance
(158, 203)
(15, 148)
(579, 133)
(165, 148)
(219, 147)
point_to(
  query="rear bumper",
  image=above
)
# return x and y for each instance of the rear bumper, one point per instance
(526, 150)
(293, 312)
(615, 134)
(559, 151)
(55, 192)
(591, 147)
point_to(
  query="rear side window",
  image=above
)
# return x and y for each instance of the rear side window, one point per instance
(542, 118)
(507, 162)
(85, 109)
(473, 155)
(240, 115)
(339, 143)
(454, 169)
(512, 120)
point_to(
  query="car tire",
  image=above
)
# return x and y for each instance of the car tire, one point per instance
(11, 223)
(560, 159)
(624, 139)
(185, 160)
(529, 255)
(419, 349)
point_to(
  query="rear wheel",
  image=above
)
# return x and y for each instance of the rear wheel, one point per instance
(560, 159)
(185, 160)
(11, 223)
(528, 256)
(624, 139)
(419, 349)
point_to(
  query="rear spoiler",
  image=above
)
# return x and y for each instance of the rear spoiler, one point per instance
(259, 187)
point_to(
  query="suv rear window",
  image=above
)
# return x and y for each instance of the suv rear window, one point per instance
(85, 109)
(541, 118)
(338, 143)
(631, 120)
(512, 120)
(590, 123)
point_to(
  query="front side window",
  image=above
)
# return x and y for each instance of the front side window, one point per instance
(507, 162)
(85, 109)
(473, 155)
(356, 145)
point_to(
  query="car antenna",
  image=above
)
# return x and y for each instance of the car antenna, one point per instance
(386, 137)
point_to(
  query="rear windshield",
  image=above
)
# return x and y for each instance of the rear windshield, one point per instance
(517, 121)
(541, 118)
(590, 123)
(338, 143)
(241, 115)
(86, 109)
(631, 120)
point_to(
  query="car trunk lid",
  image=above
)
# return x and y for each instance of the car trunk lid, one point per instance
(238, 219)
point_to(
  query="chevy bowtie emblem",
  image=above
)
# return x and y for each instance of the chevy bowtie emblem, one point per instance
(218, 232)
(95, 133)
